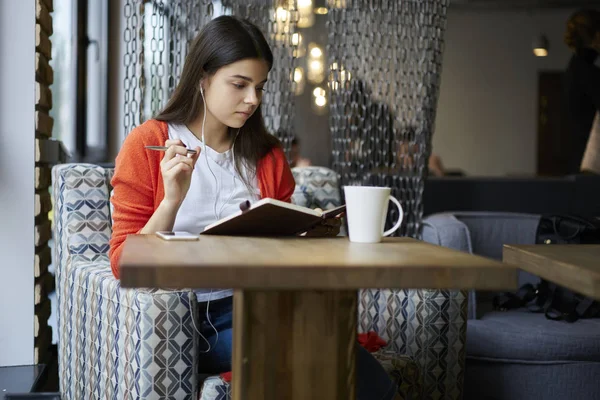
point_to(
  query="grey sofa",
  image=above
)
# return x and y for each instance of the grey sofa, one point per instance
(517, 354)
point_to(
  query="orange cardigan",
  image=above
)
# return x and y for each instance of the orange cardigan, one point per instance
(138, 185)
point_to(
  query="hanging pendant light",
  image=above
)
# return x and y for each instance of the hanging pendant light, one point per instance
(540, 46)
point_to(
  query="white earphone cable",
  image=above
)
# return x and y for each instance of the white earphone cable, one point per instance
(217, 191)
(215, 208)
(206, 156)
(211, 325)
(234, 177)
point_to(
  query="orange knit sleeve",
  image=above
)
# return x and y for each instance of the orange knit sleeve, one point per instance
(286, 181)
(133, 192)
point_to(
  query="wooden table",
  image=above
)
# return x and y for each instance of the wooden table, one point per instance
(295, 302)
(574, 266)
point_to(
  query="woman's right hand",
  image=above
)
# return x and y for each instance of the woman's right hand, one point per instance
(176, 168)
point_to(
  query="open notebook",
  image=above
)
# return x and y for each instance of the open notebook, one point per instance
(270, 217)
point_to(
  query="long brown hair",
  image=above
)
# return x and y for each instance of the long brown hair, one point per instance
(223, 41)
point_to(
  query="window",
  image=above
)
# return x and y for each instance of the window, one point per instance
(79, 61)
(63, 100)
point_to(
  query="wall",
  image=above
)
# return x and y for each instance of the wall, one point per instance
(487, 110)
(486, 120)
(17, 160)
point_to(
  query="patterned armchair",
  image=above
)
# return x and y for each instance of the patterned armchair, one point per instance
(125, 343)
(425, 329)
(113, 343)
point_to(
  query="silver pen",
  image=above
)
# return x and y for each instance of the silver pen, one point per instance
(164, 148)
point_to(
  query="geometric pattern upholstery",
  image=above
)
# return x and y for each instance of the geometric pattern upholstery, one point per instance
(215, 388)
(404, 372)
(113, 343)
(428, 325)
(119, 343)
(319, 186)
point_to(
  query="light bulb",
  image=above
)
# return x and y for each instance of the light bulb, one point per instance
(316, 52)
(320, 101)
(296, 39)
(298, 74)
(316, 65)
(281, 14)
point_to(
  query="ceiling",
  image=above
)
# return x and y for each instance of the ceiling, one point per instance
(523, 4)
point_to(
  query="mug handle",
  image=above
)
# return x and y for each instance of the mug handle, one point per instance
(400, 218)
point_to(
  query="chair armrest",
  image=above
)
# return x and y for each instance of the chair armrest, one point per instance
(123, 343)
(446, 230)
(427, 325)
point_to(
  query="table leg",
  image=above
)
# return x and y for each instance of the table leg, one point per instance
(294, 345)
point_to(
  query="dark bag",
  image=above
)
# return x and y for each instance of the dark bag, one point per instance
(568, 229)
(557, 302)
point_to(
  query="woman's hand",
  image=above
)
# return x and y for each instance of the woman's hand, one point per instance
(176, 168)
(328, 227)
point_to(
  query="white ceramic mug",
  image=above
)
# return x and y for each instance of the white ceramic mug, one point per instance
(366, 210)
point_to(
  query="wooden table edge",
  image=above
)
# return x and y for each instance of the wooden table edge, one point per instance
(324, 279)
(479, 276)
(510, 252)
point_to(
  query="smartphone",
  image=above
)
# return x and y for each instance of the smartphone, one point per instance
(177, 235)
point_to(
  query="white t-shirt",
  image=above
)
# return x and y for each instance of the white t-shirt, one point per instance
(216, 191)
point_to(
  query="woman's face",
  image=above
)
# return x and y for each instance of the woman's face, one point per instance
(235, 91)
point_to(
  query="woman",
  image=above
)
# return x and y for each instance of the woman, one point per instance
(582, 81)
(215, 110)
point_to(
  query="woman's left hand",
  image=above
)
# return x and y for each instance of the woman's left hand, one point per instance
(328, 227)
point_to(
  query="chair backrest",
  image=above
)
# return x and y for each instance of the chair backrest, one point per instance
(319, 185)
(491, 230)
(82, 222)
(82, 210)
(482, 233)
